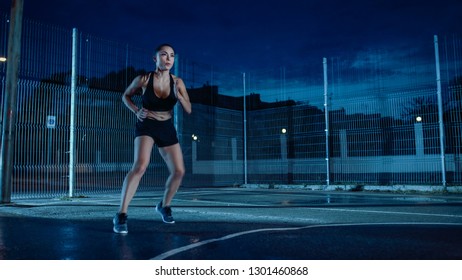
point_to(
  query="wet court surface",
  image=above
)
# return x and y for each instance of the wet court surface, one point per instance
(238, 224)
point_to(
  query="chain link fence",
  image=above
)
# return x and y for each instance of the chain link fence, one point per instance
(371, 117)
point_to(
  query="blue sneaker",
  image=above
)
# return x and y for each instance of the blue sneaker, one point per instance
(120, 223)
(166, 213)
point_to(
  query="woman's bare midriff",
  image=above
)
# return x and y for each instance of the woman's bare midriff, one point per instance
(160, 116)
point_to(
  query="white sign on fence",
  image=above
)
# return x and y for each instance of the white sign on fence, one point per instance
(51, 122)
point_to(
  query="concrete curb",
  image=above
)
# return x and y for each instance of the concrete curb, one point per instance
(371, 188)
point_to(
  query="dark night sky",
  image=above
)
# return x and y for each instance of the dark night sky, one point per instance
(243, 34)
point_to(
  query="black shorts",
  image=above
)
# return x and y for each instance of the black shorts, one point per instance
(163, 132)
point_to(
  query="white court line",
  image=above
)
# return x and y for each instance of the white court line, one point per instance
(208, 202)
(329, 209)
(253, 216)
(388, 212)
(237, 234)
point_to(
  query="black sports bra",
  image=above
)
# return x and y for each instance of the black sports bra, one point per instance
(154, 103)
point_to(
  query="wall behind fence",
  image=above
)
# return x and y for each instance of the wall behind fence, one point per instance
(383, 120)
(382, 109)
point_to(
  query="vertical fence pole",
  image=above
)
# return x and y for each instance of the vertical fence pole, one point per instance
(326, 114)
(245, 129)
(72, 113)
(440, 112)
(10, 100)
(126, 65)
(176, 113)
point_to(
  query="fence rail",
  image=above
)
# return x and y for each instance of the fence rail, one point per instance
(370, 117)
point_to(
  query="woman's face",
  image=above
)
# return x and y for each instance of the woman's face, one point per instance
(165, 58)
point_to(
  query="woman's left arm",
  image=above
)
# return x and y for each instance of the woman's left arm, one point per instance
(182, 95)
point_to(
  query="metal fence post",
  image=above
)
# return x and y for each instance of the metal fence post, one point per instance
(176, 110)
(9, 108)
(440, 112)
(326, 114)
(72, 113)
(245, 129)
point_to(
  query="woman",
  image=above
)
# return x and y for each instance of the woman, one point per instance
(160, 92)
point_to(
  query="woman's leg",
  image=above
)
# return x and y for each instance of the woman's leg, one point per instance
(142, 153)
(173, 157)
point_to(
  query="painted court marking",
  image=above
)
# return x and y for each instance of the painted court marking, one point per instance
(173, 252)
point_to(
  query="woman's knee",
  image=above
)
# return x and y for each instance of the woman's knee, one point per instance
(178, 173)
(139, 168)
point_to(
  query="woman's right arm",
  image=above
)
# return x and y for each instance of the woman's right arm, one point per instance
(133, 89)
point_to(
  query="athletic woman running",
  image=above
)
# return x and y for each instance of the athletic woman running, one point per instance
(160, 92)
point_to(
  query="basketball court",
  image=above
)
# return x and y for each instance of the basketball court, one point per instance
(238, 224)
